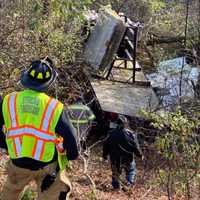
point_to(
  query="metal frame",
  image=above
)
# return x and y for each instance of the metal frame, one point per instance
(131, 38)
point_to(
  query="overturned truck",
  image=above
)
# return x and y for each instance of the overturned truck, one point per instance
(118, 83)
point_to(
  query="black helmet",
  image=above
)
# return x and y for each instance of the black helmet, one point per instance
(40, 75)
(121, 121)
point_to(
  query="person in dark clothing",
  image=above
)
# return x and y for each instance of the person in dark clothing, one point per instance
(38, 135)
(121, 146)
(2, 135)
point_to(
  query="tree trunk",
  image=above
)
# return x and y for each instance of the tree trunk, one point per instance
(164, 39)
(46, 5)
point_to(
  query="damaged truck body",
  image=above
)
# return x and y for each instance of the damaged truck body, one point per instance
(117, 82)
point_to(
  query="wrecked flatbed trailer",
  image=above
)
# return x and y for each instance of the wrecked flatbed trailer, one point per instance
(119, 83)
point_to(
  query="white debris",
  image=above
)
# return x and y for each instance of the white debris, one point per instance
(167, 78)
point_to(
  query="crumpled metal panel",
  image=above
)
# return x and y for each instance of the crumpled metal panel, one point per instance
(104, 40)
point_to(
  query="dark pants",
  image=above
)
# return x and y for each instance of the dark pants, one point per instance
(117, 167)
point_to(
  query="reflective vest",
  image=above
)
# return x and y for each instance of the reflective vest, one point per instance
(30, 119)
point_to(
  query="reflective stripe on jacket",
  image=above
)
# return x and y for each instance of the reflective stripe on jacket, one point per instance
(30, 119)
(80, 114)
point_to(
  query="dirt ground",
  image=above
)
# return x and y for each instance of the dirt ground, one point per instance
(146, 186)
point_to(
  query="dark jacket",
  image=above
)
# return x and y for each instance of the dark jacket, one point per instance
(63, 128)
(121, 144)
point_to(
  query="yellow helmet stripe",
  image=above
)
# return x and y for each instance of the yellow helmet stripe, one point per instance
(47, 74)
(32, 73)
(40, 76)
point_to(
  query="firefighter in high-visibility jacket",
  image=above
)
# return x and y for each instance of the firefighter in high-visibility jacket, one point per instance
(81, 117)
(39, 136)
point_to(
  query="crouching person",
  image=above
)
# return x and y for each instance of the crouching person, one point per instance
(120, 146)
(81, 117)
(39, 136)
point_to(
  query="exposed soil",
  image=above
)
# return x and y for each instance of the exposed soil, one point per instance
(146, 186)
